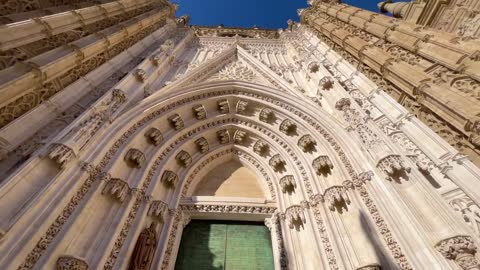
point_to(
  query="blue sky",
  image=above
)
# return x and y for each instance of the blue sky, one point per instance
(247, 13)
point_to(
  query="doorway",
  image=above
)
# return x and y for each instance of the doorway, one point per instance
(220, 245)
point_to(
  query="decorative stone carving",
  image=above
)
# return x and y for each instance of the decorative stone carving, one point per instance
(141, 75)
(239, 137)
(277, 163)
(288, 183)
(61, 154)
(461, 249)
(202, 145)
(184, 158)
(322, 165)
(71, 263)
(307, 143)
(261, 147)
(158, 210)
(288, 127)
(167, 46)
(117, 188)
(208, 208)
(336, 197)
(394, 168)
(469, 210)
(70, 145)
(176, 121)
(223, 106)
(241, 106)
(154, 136)
(135, 158)
(370, 267)
(223, 136)
(326, 83)
(267, 115)
(295, 216)
(144, 251)
(169, 178)
(199, 112)
(362, 178)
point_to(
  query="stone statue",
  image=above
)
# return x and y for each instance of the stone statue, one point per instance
(144, 251)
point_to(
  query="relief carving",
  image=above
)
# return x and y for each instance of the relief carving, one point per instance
(336, 197)
(144, 251)
(295, 217)
(240, 136)
(261, 148)
(322, 165)
(307, 143)
(184, 159)
(288, 127)
(461, 249)
(117, 188)
(135, 158)
(223, 106)
(223, 136)
(394, 168)
(267, 115)
(241, 106)
(202, 145)
(154, 136)
(176, 121)
(158, 210)
(71, 263)
(288, 183)
(169, 178)
(277, 163)
(199, 112)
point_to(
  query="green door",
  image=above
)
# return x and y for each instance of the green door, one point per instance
(215, 245)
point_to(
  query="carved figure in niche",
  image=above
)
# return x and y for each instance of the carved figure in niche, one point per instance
(144, 250)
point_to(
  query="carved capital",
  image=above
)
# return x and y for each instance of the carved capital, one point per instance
(277, 163)
(223, 136)
(154, 136)
(241, 106)
(117, 188)
(176, 121)
(266, 115)
(336, 197)
(295, 216)
(394, 168)
(61, 154)
(199, 112)
(461, 249)
(240, 136)
(223, 106)
(184, 158)
(169, 178)
(261, 148)
(307, 143)
(288, 183)
(158, 209)
(288, 127)
(135, 158)
(202, 145)
(322, 165)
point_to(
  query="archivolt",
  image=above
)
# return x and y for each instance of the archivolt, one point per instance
(136, 121)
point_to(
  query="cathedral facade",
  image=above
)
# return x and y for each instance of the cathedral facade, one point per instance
(130, 139)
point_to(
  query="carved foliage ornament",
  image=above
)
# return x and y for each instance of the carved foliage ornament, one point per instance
(202, 145)
(176, 121)
(223, 136)
(169, 178)
(158, 209)
(239, 136)
(336, 196)
(135, 158)
(261, 148)
(154, 136)
(323, 165)
(69, 263)
(295, 216)
(184, 158)
(117, 188)
(288, 127)
(461, 249)
(277, 163)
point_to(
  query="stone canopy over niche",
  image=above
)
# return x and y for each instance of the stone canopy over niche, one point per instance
(230, 179)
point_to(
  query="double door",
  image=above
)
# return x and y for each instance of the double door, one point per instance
(214, 245)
